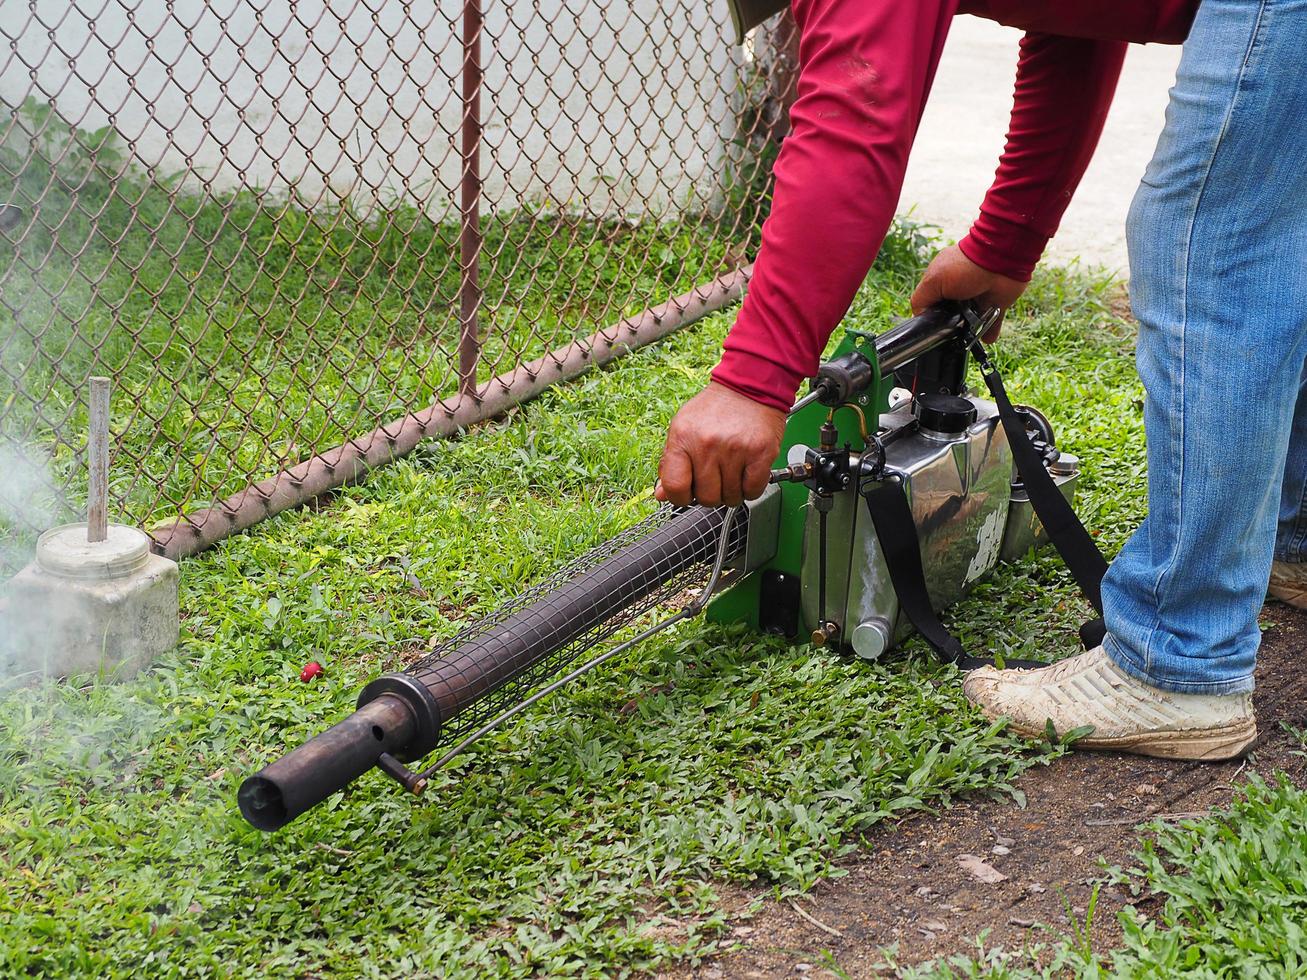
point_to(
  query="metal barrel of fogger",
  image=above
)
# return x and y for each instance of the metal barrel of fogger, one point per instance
(402, 714)
(911, 338)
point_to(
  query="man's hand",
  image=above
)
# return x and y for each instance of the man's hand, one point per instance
(951, 275)
(720, 447)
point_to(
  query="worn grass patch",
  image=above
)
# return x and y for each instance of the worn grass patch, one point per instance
(1235, 891)
(585, 839)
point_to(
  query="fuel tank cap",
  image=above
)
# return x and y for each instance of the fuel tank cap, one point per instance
(946, 414)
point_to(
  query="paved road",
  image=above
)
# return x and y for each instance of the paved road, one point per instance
(962, 135)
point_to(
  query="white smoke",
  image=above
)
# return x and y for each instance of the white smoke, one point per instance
(29, 501)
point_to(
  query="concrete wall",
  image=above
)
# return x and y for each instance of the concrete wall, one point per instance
(597, 105)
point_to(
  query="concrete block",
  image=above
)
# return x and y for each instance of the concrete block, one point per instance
(107, 607)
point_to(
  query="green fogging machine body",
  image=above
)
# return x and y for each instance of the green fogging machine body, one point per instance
(897, 490)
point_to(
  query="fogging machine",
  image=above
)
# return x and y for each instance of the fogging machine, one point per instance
(897, 490)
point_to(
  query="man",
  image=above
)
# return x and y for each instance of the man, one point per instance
(1217, 236)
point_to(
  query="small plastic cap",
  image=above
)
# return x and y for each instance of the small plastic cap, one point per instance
(947, 414)
(1066, 464)
(871, 639)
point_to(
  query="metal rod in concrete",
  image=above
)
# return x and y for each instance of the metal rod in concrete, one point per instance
(97, 462)
(349, 463)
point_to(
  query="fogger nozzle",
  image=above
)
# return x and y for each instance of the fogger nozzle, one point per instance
(329, 762)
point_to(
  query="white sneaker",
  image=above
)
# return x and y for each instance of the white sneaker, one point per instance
(1289, 583)
(1127, 715)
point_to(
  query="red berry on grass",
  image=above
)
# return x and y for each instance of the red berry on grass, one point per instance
(311, 670)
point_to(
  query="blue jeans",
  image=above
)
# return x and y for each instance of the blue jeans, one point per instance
(1217, 236)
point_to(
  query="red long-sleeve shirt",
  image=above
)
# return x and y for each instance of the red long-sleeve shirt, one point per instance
(865, 70)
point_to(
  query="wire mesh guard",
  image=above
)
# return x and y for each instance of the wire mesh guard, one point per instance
(277, 226)
(496, 662)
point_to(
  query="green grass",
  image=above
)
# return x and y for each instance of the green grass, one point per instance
(590, 837)
(1236, 890)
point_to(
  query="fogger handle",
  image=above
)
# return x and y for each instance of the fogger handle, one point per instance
(845, 378)
(916, 335)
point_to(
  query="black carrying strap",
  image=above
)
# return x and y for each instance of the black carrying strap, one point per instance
(1055, 512)
(897, 531)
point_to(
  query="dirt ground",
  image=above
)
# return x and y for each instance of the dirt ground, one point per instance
(908, 886)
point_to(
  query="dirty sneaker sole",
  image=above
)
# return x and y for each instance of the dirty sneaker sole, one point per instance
(1202, 745)
(1290, 595)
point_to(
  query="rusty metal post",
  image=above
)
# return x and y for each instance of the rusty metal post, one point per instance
(781, 56)
(97, 462)
(469, 235)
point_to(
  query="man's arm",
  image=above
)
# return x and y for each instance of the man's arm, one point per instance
(1063, 92)
(865, 67)
(865, 70)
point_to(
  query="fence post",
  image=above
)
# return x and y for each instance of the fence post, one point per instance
(781, 57)
(469, 235)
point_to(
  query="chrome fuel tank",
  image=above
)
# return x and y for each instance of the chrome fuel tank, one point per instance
(959, 490)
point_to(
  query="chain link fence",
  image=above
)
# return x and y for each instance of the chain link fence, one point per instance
(301, 236)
